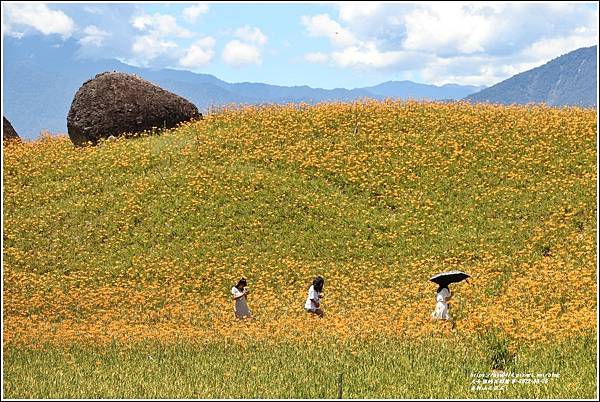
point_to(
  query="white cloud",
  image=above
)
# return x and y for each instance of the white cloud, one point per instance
(248, 50)
(251, 34)
(316, 57)
(142, 22)
(192, 13)
(464, 43)
(367, 55)
(198, 54)
(92, 10)
(489, 69)
(452, 29)
(240, 54)
(8, 30)
(323, 26)
(358, 11)
(160, 37)
(546, 49)
(448, 26)
(160, 24)
(93, 36)
(39, 17)
(375, 21)
(149, 47)
(464, 70)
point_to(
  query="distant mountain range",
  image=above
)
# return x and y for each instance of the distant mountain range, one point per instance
(570, 79)
(41, 77)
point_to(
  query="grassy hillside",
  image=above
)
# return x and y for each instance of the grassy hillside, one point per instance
(140, 240)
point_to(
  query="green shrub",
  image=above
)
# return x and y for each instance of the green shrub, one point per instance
(496, 346)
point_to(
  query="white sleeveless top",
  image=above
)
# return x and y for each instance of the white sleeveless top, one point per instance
(314, 295)
(241, 305)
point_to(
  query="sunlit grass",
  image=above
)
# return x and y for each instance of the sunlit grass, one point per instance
(383, 368)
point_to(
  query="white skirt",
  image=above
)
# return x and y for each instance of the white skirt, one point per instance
(441, 311)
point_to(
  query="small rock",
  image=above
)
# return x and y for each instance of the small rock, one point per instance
(8, 131)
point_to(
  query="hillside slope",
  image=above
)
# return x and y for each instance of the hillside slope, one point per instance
(143, 238)
(567, 80)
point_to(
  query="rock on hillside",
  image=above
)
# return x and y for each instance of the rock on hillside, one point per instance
(114, 103)
(8, 132)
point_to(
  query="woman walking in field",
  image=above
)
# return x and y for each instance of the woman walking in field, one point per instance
(442, 297)
(443, 294)
(240, 306)
(313, 301)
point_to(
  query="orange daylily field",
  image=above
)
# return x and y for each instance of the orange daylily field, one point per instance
(139, 240)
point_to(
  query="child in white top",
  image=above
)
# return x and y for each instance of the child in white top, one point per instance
(313, 301)
(240, 307)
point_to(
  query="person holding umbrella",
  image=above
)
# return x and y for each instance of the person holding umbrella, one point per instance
(443, 294)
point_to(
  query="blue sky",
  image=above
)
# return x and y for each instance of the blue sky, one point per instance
(323, 45)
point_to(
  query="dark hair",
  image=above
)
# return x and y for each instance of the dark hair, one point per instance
(318, 283)
(241, 284)
(442, 287)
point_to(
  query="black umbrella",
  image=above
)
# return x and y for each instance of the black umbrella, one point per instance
(446, 278)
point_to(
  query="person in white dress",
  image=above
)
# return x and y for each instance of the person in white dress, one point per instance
(239, 296)
(442, 297)
(313, 301)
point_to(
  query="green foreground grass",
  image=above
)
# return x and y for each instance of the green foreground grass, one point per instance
(380, 368)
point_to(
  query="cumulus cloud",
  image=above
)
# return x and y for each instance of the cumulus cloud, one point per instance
(192, 13)
(359, 11)
(379, 22)
(465, 70)
(323, 26)
(37, 16)
(240, 54)
(366, 55)
(93, 36)
(447, 27)
(160, 25)
(247, 49)
(199, 53)
(148, 47)
(548, 48)
(466, 43)
(159, 33)
(251, 34)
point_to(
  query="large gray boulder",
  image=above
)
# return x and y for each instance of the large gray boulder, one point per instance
(8, 131)
(114, 104)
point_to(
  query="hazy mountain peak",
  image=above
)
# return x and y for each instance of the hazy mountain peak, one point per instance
(569, 79)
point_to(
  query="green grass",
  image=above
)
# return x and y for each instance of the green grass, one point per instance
(381, 368)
